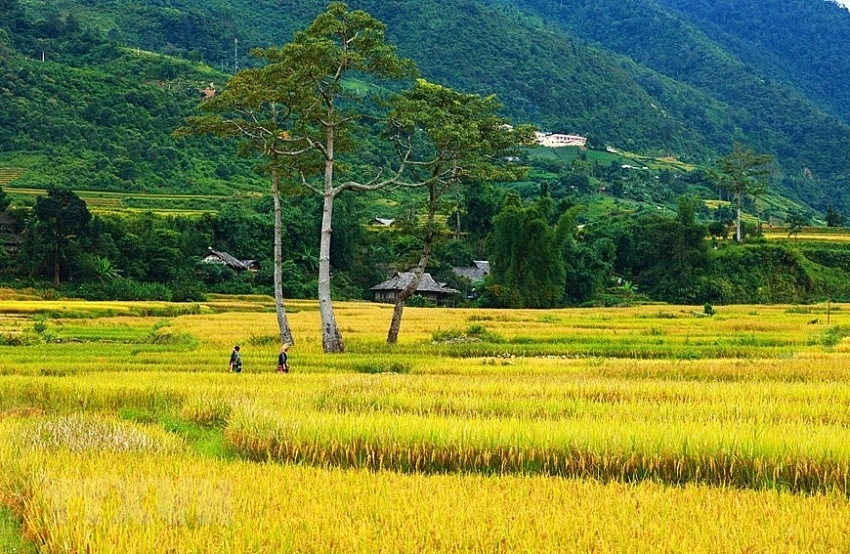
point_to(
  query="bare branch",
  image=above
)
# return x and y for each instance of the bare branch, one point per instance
(306, 184)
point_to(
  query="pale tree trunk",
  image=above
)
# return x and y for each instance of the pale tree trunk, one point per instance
(410, 289)
(457, 221)
(282, 322)
(739, 235)
(56, 263)
(331, 336)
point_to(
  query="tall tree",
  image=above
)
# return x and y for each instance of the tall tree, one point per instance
(834, 218)
(796, 221)
(528, 269)
(456, 138)
(316, 117)
(743, 173)
(247, 109)
(61, 216)
(5, 201)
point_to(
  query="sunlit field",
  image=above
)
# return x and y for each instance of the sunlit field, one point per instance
(646, 429)
(809, 234)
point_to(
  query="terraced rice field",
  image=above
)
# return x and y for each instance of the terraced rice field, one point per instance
(9, 174)
(646, 429)
(101, 201)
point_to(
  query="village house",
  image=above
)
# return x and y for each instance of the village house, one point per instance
(11, 233)
(382, 222)
(223, 258)
(428, 288)
(479, 270)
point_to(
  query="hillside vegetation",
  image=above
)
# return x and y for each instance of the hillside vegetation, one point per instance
(641, 76)
(639, 215)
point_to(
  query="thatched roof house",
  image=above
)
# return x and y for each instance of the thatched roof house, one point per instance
(428, 287)
(223, 258)
(11, 232)
(479, 270)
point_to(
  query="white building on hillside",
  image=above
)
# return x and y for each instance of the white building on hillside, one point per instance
(557, 140)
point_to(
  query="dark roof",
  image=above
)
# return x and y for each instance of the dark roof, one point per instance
(399, 280)
(230, 260)
(480, 270)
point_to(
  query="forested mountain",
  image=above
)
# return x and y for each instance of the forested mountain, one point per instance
(91, 92)
(779, 68)
(683, 78)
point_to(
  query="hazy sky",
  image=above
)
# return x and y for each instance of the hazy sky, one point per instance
(845, 2)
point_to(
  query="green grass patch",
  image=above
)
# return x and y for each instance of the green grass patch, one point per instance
(473, 333)
(382, 366)
(834, 335)
(206, 438)
(11, 538)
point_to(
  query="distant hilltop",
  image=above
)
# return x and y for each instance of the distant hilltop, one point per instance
(557, 140)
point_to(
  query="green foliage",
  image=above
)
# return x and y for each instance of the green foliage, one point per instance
(759, 274)
(526, 256)
(59, 217)
(419, 301)
(11, 534)
(743, 174)
(834, 335)
(834, 218)
(124, 289)
(474, 333)
(383, 366)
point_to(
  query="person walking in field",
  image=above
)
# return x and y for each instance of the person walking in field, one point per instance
(235, 360)
(282, 362)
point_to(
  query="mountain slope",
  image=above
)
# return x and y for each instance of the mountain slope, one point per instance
(641, 74)
(770, 115)
(800, 42)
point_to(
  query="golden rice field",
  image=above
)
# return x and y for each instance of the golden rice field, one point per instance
(644, 429)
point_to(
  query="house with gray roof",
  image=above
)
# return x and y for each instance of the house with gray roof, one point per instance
(428, 288)
(223, 258)
(479, 270)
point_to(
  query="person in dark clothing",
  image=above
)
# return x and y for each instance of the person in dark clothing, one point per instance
(235, 360)
(282, 362)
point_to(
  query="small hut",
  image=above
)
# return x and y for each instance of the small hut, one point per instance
(479, 270)
(223, 258)
(428, 288)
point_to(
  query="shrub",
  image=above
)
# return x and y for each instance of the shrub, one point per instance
(124, 289)
(382, 366)
(419, 301)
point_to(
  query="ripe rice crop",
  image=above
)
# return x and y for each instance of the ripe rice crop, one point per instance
(651, 428)
(111, 502)
(786, 456)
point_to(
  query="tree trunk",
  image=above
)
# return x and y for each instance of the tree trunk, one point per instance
(56, 263)
(282, 322)
(410, 289)
(457, 219)
(401, 299)
(331, 337)
(739, 235)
